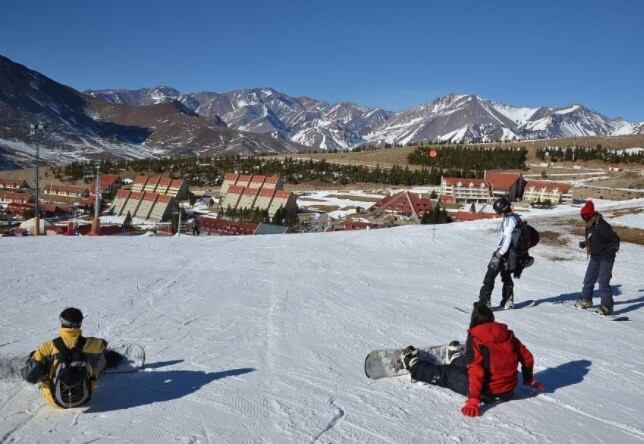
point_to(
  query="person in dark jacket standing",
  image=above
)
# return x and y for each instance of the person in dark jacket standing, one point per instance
(487, 372)
(601, 244)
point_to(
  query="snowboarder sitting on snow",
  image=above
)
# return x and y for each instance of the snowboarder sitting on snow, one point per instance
(601, 244)
(487, 372)
(501, 257)
(69, 366)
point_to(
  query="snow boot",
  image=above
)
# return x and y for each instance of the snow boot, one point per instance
(584, 303)
(453, 351)
(410, 357)
(604, 311)
(508, 303)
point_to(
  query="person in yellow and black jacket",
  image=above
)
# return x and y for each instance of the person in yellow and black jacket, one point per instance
(68, 366)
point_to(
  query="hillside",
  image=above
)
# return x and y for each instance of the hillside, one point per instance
(83, 127)
(262, 339)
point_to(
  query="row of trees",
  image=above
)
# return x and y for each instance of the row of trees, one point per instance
(283, 216)
(572, 153)
(201, 172)
(476, 159)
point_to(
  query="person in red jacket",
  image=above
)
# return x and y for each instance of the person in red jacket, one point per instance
(487, 372)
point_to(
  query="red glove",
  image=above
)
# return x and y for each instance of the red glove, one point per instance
(471, 408)
(536, 385)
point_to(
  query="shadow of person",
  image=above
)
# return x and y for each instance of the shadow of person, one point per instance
(563, 375)
(553, 379)
(124, 391)
(563, 297)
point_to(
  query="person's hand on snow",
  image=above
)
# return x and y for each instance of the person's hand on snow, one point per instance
(471, 408)
(535, 385)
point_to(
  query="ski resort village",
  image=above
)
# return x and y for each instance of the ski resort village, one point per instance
(298, 222)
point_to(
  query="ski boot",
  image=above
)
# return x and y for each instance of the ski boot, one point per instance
(453, 351)
(584, 303)
(410, 357)
(604, 311)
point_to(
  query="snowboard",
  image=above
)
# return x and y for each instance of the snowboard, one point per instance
(127, 358)
(593, 311)
(516, 306)
(386, 363)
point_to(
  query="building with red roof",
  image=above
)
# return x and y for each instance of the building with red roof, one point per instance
(261, 192)
(210, 226)
(8, 197)
(466, 216)
(505, 184)
(405, 203)
(13, 184)
(461, 189)
(542, 191)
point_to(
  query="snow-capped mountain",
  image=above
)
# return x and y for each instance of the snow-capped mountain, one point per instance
(459, 118)
(303, 120)
(81, 126)
(318, 124)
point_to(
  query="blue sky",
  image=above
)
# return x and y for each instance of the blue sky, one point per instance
(391, 54)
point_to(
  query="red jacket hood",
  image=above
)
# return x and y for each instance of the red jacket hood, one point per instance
(491, 332)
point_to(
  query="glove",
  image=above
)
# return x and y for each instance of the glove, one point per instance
(471, 408)
(582, 244)
(495, 261)
(535, 385)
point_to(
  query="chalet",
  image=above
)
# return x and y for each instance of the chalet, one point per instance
(504, 184)
(145, 206)
(66, 190)
(163, 208)
(109, 184)
(8, 197)
(177, 188)
(256, 181)
(282, 199)
(24, 210)
(120, 200)
(542, 191)
(132, 204)
(210, 226)
(350, 225)
(466, 216)
(405, 204)
(13, 184)
(461, 189)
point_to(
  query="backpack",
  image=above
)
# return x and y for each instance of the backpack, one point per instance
(525, 234)
(70, 385)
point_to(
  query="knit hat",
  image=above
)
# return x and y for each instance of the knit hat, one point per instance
(71, 317)
(588, 210)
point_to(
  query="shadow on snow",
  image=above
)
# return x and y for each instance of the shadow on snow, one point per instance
(119, 392)
(553, 379)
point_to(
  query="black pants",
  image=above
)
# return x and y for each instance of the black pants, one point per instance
(452, 376)
(488, 283)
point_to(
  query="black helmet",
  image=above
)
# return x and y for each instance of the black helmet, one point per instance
(501, 205)
(71, 317)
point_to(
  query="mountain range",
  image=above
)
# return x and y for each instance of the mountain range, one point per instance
(163, 121)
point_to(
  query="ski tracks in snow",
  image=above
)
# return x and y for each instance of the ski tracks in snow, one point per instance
(337, 416)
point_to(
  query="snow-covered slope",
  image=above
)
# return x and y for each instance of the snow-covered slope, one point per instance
(263, 339)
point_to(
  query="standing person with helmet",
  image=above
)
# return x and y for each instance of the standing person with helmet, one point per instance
(68, 366)
(601, 244)
(497, 264)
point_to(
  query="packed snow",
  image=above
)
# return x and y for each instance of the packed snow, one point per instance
(263, 339)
